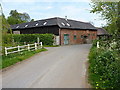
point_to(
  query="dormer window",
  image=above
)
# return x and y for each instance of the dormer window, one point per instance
(44, 23)
(63, 24)
(68, 24)
(36, 24)
(17, 27)
(26, 25)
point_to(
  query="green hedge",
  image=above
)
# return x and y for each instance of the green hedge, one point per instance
(10, 40)
(104, 69)
(47, 39)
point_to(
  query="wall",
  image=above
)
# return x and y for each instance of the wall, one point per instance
(56, 40)
(40, 30)
(78, 33)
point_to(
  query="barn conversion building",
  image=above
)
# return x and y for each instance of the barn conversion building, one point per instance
(66, 31)
(102, 33)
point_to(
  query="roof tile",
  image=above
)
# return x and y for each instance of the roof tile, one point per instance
(70, 24)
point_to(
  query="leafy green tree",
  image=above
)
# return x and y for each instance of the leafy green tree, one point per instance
(5, 24)
(13, 20)
(32, 20)
(109, 12)
(118, 19)
(16, 17)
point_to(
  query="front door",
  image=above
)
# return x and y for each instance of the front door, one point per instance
(85, 39)
(66, 39)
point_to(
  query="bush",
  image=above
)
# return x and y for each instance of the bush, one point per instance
(7, 39)
(47, 39)
(104, 70)
(11, 40)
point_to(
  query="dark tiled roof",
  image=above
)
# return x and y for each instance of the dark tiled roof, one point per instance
(61, 22)
(101, 31)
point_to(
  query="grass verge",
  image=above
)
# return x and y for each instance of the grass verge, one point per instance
(17, 57)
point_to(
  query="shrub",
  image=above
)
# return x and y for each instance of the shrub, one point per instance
(10, 40)
(47, 39)
(104, 70)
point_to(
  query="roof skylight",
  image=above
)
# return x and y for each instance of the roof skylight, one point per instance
(63, 24)
(68, 24)
(44, 23)
(26, 25)
(17, 27)
(36, 24)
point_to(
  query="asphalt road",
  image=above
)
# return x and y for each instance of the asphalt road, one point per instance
(59, 67)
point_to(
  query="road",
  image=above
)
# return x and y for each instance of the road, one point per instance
(59, 67)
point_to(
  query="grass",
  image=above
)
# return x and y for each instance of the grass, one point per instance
(11, 59)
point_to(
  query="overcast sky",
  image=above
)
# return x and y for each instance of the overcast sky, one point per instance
(42, 9)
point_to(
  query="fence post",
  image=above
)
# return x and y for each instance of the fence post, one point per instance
(41, 44)
(28, 47)
(35, 46)
(18, 48)
(6, 51)
(98, 46)
(38, 40)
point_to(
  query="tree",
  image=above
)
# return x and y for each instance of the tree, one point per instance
(118, 19)
(32, 20)
(16, 17)
(4, 24)
(11, 20)
(109, 12)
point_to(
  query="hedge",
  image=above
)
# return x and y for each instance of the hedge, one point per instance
(104, 69)
(47, 39)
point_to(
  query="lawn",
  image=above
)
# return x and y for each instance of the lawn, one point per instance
(11, 59)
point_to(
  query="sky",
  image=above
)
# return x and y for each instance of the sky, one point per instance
(43, 9)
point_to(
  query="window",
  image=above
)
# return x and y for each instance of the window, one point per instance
(36, 24)
(75, 37)
(82, 36)
(26, 25)
(88, 35)
(44, 23)
(17, 27)
(63, 24)
(16, 32)
(68, 24)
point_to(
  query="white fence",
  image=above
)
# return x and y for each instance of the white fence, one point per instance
(22, 48)
(98, 45)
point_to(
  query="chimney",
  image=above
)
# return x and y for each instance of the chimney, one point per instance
(66, 18)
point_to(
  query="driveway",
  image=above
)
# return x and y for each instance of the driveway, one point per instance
(59, 67)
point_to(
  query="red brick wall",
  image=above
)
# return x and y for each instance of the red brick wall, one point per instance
(78, 33)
